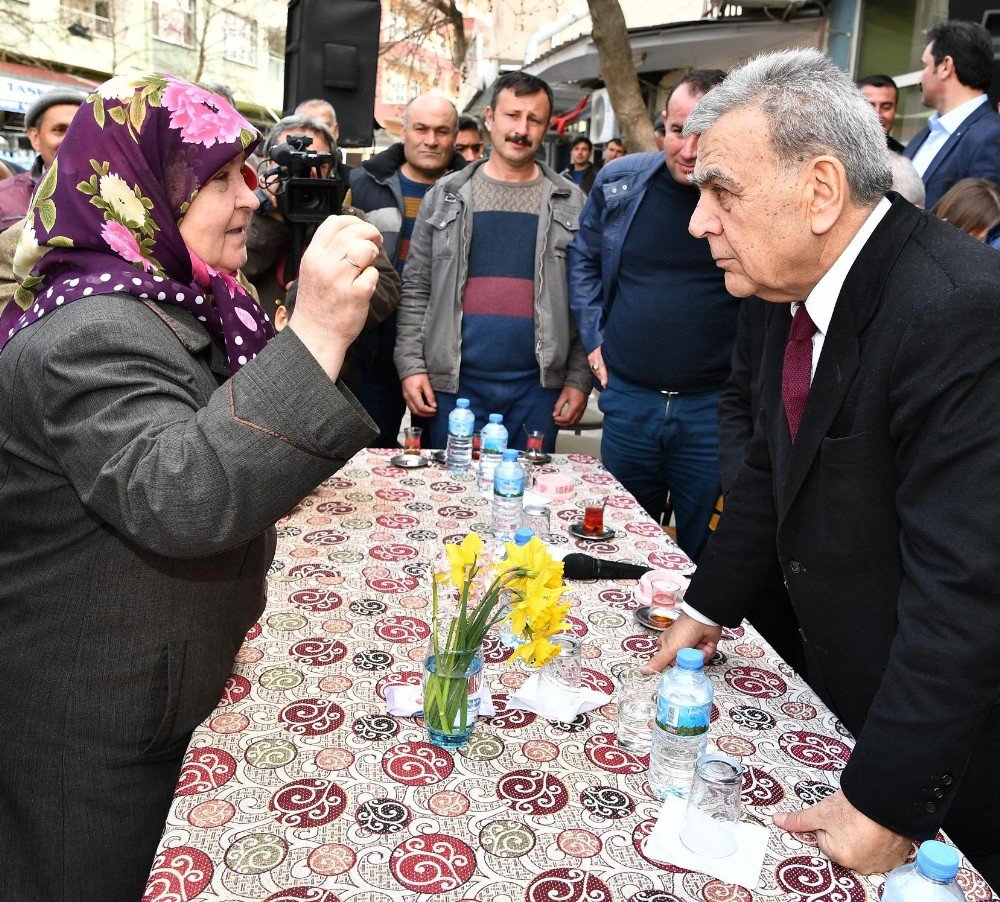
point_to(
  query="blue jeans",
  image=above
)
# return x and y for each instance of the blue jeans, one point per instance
(524, 404)
(654, 444)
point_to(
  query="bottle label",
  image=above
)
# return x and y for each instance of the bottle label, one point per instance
(683, 720)
(509, 487)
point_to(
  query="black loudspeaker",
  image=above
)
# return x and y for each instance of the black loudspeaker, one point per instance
(331, 53)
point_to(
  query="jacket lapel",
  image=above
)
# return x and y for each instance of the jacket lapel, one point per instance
(911, 149)
(952, 142)
(840, 358)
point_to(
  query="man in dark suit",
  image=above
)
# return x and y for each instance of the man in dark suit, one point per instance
(962, 137)
(873, 467)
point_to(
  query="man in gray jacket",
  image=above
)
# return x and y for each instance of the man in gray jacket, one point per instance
(485, 311)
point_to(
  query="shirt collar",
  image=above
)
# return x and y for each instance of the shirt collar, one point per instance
(823, 298)
(950, 121)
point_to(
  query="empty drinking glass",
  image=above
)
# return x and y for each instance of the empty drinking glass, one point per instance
(637, 710)
(563, 673)
(713, 809)
(538, 518)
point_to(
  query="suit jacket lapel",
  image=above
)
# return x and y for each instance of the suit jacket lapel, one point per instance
(840, 358)
(952, 141)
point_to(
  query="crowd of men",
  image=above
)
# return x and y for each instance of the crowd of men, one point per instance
(525, 289)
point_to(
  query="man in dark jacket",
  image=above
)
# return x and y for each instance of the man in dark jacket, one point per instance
(389, 188)
(268, 243)
(873, 462)
(581, 171)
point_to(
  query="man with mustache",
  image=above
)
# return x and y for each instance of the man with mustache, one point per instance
(484, 312)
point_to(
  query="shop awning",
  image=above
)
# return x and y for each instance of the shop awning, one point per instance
(21, 85)
(706, 43)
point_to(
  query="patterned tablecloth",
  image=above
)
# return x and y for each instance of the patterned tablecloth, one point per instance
(300, 787)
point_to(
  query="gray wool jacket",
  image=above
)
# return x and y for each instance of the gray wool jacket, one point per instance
(139, 485)
(429, 317)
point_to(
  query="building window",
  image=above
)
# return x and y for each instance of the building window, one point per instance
(241, 40)
(395, 87)
(173, 21)
(275, 37)
(94, 15)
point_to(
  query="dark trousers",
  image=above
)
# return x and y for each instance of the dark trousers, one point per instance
(381, 393)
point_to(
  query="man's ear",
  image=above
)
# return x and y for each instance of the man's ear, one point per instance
(826, 193)
(280, 318)
(33, 136)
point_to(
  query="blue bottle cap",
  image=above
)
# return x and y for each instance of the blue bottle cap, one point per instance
(690, 659)
(523, 535)
(462, 402)
(510, 454)
(937, 860)
(496, 417)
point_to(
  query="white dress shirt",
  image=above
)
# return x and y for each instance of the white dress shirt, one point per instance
(820, 305)
(942, 128)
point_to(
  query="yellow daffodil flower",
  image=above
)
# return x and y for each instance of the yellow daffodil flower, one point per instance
(463, 557)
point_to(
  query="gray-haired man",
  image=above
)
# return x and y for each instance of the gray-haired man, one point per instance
(873, 467)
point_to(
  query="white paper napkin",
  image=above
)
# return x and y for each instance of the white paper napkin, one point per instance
(408, 701)
(742, 867)
(557, 706)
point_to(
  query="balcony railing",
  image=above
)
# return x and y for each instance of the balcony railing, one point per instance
(99, 25)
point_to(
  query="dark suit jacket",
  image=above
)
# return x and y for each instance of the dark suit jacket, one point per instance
(885, 517)
(138, 485)
(973, 151)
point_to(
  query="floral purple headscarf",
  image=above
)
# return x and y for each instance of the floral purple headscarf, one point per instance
(105, 216)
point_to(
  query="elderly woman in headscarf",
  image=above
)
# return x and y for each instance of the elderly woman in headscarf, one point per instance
(153, 430)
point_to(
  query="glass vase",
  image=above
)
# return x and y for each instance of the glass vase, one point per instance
(452, 680)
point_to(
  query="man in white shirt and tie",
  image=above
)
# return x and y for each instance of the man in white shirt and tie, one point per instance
(872, 473)
(962, 137)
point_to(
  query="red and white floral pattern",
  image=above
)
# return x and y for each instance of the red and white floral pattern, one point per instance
(301, 787)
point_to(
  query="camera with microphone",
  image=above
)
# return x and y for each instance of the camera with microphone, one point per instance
(304, 193)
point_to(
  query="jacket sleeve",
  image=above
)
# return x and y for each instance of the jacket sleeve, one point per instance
(940, 684)
(124, 419)
(735, 405)
(586, 287)
(578, 374)
(416, 295)
(985, 163)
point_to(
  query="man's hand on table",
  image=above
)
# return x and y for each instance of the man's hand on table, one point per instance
(847, 836)
(685, 633)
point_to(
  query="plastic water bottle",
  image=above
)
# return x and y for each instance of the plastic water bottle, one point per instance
(508, 496)
(461, 425)
(683, 710)
(494, 445)
(931, 878)
(506, 635)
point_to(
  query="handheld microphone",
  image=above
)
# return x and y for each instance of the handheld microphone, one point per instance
(583, 566)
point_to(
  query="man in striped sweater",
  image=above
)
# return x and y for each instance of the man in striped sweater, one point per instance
(485, 310)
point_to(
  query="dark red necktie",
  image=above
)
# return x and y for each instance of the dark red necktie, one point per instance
(797, 373)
